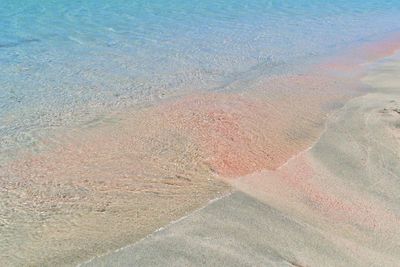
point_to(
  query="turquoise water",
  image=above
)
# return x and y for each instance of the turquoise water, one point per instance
(64, 64)
(66, 61)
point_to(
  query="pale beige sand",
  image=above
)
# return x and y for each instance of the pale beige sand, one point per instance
(336, 204)
(234, 231)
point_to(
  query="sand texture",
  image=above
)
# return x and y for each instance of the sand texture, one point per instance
(336, 204)
(116, 179)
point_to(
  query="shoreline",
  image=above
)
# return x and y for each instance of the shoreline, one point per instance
(234, 190)
(194, 155)
(156, 231)
(358, 233)
(157, 166)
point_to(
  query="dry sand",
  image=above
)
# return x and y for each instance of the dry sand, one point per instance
(336, 204)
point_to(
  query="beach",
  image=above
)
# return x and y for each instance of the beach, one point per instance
(335, 204)
(199, 133)
(116, 179)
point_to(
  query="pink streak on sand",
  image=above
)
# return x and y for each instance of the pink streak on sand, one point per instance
(215, 121)
(350, 62)
(301, 187)
(259, 129)
(244, 136)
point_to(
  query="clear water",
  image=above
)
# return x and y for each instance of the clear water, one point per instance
(67, 63)
(63, 62)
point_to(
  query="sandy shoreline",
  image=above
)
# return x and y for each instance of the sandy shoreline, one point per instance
(335, 204)
(115, 180)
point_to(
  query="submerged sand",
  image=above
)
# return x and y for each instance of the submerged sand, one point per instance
(336, 204)
(115, 180)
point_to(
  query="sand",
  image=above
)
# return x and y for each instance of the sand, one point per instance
(335, 204)
(114, 180)
(234, 231)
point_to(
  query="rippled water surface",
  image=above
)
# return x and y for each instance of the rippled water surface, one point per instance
(122, 112)
(65, 61)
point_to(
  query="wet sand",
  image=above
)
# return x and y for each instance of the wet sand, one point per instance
(335, 204)
(115, 180)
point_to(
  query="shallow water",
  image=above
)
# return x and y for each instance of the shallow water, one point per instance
(335, 204)
(63, 62)
(123, 112)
